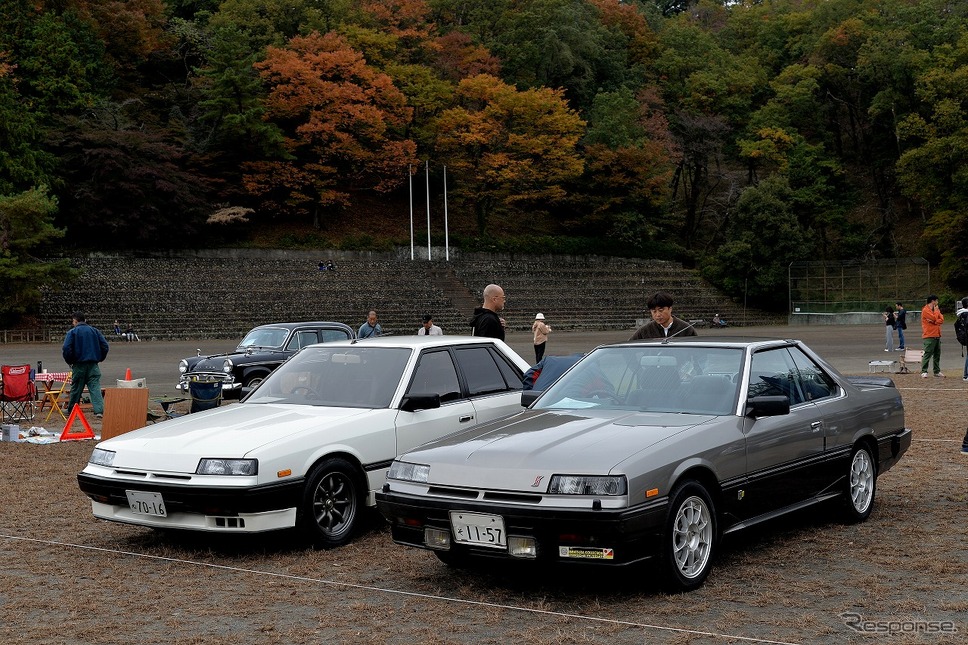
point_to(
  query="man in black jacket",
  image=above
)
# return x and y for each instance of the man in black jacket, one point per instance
(663, 323)
(486, 321)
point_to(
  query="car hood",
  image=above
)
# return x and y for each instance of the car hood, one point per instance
(214, 362)
(509, 454)
(232, 431)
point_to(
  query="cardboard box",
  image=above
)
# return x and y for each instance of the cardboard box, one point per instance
(10, 432)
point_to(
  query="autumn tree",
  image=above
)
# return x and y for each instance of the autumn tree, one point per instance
(342, 121)
(506, 149)
(625, 187)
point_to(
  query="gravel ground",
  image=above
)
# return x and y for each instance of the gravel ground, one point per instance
(900, 577)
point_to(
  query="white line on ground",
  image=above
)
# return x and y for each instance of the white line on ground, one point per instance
(332, 583)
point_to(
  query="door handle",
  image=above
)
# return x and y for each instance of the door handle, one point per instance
(466, 418)
(816, 426)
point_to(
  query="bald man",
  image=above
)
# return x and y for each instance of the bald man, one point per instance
(486, 321)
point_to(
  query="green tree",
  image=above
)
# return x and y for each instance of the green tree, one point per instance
(934, 168)
(26, 232)
(23, 162)
(763, 236)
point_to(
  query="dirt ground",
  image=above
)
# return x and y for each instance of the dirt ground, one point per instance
(900, 577)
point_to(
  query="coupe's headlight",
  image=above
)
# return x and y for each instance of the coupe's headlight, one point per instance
(409, 472)
(183, 366)
(227, 467)
(227, 366)
(102, 457)
(588, 485)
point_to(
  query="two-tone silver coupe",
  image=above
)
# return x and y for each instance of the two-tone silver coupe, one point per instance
(652, 450)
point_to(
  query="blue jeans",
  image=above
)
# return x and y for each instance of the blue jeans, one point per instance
(900, 338)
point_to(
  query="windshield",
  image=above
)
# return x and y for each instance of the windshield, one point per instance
(346, 377)
(668, 378)
(265, 337)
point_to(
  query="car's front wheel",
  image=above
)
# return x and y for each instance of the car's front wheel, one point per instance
(860, 485)
(690, 537)
(252, 381)
(331, 503)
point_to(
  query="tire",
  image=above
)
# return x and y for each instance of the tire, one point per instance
(690, 538)
(253, 380)
(331, 505)
(861, 485)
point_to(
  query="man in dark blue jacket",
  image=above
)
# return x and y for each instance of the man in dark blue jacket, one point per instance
(84, 348)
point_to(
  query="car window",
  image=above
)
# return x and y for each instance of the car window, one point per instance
(512, 375)
(773, 373)
(265, 337)
(481, 372)
(815, 383)
(302, 338)
(685, 379)
(354, 377)
(436, 374)
(333, 335)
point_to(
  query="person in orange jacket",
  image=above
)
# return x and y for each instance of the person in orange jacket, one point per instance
(931, 321)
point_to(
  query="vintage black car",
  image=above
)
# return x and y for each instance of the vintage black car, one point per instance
(263, 349)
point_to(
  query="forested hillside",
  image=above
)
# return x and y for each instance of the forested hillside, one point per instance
(735, 136)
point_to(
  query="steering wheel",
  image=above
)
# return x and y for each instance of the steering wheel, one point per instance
(303, 391)
(601, 394)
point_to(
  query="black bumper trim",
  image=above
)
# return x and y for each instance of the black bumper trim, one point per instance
(632, 533)
(199, 499)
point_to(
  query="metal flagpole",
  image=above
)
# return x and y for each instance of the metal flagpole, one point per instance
(428, 209)
(410, 184)
(446, 229)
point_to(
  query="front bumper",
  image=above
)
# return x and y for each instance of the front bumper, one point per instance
(602, 537)
(247, 509)
(229, 384)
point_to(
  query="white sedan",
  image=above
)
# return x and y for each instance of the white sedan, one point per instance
(311, 445)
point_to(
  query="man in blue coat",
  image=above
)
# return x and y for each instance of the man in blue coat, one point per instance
(84, 348)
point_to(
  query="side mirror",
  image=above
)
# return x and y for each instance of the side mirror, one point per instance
(529, 396)
(414, 402)
(768, 406)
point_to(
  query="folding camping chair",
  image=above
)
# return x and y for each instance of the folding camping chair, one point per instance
(57, 397)
(17, 393)
(205, 395)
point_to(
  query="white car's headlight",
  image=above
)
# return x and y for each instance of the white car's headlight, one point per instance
(183, 366)
(588, 485)
(102, 457)
(227, 366)
(227, 467)
(409, 472)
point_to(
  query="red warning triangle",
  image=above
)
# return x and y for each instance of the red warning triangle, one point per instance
(70, 435)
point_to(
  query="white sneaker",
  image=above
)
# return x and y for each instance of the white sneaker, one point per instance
(924, 375)
(939, 375)
(887, 350)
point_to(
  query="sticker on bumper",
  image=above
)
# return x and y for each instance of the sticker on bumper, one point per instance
(585, 552)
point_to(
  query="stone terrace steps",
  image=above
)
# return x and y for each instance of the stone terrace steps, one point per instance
(224, 294)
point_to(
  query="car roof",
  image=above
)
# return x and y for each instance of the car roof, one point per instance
(306, 323)
(417, 341)
(718, 341)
